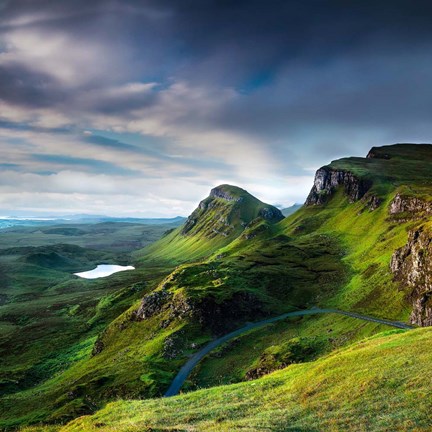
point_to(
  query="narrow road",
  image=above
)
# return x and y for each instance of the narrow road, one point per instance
(197, 357)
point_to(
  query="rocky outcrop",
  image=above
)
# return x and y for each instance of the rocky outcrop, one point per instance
(372, 201)
(412, 267)
(408, 204)
(220, 192)
(326, 181)
(173, 346)
(270, 214)
(217, 316)
(152, 304)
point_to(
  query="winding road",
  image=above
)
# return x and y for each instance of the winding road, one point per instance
(197, 357)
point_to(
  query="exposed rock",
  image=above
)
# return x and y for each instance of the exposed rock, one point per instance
(219, 192)
(373, 202)
(412, 266)
(173, 345)
(152, 304)
(413, 205)
(190, 223)
(328, 179)
(181, 306)
(219, 317)
(98, 346)
(271, 213)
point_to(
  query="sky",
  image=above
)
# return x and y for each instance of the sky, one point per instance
(139, 108)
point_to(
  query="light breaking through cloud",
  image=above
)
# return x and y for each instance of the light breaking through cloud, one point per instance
(140, 107)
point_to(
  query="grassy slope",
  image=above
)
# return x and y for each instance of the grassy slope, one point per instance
(337, 255)
(132, 363)
(46, 348)
(276, 346)
(216, 223)
(49, 319)
(379, 384)
(364, 239)
(293, 254)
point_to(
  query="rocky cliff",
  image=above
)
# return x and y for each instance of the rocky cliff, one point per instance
(412, 267)
(416, 207)
(327, 179)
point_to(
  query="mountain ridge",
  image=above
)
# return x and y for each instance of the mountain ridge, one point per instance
(346, 251)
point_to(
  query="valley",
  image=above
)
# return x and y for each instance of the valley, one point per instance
(290, 312)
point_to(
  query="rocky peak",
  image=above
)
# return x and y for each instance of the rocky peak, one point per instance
(229, 193)
(327, 179)
(227, 211)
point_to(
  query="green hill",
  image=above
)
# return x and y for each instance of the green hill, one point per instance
(360, 243)
(218, 220)
(380, 384)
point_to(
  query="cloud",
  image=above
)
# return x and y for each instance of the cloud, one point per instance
(164, 99)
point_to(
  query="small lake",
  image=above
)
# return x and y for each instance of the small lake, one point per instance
(103, 270)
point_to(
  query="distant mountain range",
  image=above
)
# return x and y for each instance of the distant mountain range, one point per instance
(290, 210)
(8, 222)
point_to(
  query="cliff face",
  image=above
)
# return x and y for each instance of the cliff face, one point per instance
(328, 179)
(412, 266)
(414, 206)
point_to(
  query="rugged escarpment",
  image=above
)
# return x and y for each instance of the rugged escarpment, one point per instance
(412, 267)
(228, 210)
(327, 179)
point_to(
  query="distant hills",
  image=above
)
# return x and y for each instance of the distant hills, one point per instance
(290, 210)
(361, 243)
(7, 222)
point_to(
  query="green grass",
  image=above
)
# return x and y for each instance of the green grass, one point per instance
(379, 384)
(267, 348)
(228, 268)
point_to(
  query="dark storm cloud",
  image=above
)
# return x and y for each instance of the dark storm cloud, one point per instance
(242, 44)
(20, 85)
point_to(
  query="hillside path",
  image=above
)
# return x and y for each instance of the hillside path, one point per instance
(187, 368)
